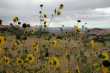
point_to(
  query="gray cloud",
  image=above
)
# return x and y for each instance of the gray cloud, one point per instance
(74, 9)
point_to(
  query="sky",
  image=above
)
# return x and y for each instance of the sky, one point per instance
(96, 13)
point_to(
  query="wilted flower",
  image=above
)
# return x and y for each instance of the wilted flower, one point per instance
(40, 12)
(45, 25)
(45, 22)
(45, 16)
(79, 21)
(58, 13)
(11, 24)
(55, 11)
(19, 23)
(41, 5)
(61, 6)
(77, 29)
(15, 19)
(24, 25)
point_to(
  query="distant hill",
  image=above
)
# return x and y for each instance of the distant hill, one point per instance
(58, 30)
(98, 31)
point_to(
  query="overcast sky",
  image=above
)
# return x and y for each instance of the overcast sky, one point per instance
(94, 12)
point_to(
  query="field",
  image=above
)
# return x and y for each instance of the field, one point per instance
(44, 52)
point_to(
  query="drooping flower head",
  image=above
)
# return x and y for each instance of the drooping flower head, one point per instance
(15, 19)
(41, 5)
(61, 6)
(78, 21)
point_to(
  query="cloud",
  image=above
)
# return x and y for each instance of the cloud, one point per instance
(91, 11)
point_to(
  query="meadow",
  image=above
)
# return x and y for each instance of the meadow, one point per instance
(38, 51)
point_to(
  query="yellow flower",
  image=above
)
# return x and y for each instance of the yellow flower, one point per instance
(54, 43)
(19, 61)
(6, 60)
(14, 46)
(35, 45)
(77, 29)
(54, 61)
(68, 71)
(2, 40)
(106, 56)
(30, 58)
(93, 44)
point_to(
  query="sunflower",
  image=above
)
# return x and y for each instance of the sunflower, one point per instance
(6, 60)
(58, 13)
(45, 16)
(14, 46)
(93, 44)
(54, 61)
(35, 46)
(45, 26)
(19, 61)
(41, 5)
(105, 56)
(68, 71)
(61, 6)
(54, 42)
(78, 21)
(77, 29)
(15, 19)
(2, 40)
(30, 59)
(24, 25)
